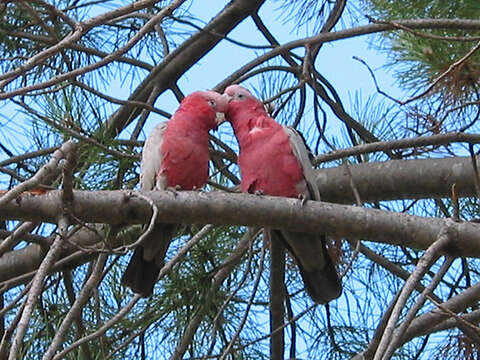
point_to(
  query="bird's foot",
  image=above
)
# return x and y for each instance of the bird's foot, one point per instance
(303, 199)
(174, 189)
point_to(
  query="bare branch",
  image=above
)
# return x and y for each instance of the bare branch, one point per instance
(80, 29)
(37, 287)
(217, 280)
(14, 238)
(19, 158)
(247, 309)
(77, 307)
(45, 173)
(399, 331)
(117, 317)
(165, 74)
(430, 256)
(277, 295)
(353, 32)
(452, 67)
(434, 140)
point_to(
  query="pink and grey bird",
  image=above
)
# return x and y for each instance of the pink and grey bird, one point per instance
(274, 161)
(175, 156)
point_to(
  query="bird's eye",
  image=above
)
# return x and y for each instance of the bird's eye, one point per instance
(240, 96)
(212, 103)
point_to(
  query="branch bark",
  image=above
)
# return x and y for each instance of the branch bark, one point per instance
(121, 208)
(397, 180)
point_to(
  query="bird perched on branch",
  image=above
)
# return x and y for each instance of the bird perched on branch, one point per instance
(175, 156)
(274, 161)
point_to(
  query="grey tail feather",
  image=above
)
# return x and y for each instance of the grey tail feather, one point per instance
(147, 260)
(140, 275)
(321, 283)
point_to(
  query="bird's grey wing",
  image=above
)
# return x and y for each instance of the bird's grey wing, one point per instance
(309, 250)
(302, 153)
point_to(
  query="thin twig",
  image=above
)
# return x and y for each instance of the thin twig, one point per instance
(185, 248)
(294, 319)
(150, 226)
(434, 140)
(79, 30)
(114, 320)
(342, 34)
(398, 334)
(122, 102)
(457, 317)
(452, 67)
(217, 280)
(78, 320)
(428, 258)
(164, 271)
(249, 305)
(16, 236)
(229, 298)
(373, 344)
(85, 137)
(42, 175)
(13, 325)
(77, 307)
(14, 302)
(425, 35)
(372, 74)
(19, 158)
(37, 286)
(74, 37)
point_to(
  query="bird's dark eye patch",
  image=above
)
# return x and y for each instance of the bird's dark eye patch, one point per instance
(212, 103)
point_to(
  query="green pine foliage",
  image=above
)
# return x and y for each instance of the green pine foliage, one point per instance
(420, 57)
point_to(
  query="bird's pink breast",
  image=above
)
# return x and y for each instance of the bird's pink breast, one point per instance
(185, 157)
(267, 163)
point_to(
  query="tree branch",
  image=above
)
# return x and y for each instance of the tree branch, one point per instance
(120, 208)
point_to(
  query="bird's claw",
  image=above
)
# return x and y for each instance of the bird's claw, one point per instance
(174, 189)
(259, 192)
(303, 199)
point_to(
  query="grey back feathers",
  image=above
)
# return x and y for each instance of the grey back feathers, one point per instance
(301, 152)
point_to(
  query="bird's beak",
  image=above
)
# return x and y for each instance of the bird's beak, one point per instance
(219, 118)
(228, 97)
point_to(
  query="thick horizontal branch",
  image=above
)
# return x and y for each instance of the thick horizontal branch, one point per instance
(15, 264)
(398, 179)
(123, 207)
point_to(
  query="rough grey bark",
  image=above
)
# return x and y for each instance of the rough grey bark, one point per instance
(121, 208)
(398, 179)
(388, 180)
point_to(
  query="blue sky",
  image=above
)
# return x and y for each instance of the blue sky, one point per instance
(350, 78)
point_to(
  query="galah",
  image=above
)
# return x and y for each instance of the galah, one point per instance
(175, 156)
(273, 160)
